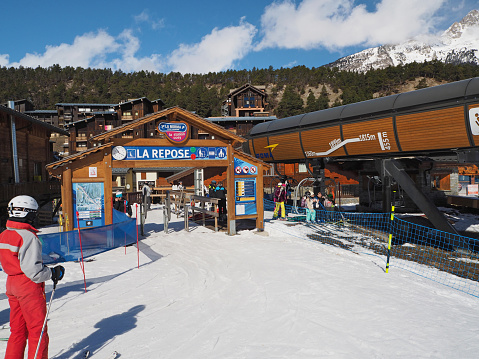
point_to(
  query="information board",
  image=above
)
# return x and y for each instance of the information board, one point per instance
(88, 201)
(245, 196)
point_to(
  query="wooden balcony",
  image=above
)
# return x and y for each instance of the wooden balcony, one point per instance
(41, 191)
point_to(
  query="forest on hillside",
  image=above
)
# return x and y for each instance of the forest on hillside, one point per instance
(289, 89)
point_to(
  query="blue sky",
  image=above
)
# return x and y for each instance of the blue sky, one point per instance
(211, 36)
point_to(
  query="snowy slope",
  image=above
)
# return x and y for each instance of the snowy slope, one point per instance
(208, 295)
(458, 44)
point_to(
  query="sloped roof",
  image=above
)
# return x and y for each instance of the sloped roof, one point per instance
(33, 120)
(183, 114)
(86, 104)
(244, 87)
(139, 99)
(79, 155)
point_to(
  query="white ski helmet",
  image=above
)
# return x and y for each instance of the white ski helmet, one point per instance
(21, 206)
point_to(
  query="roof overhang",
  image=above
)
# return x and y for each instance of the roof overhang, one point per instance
(180, 114)
(33, 120)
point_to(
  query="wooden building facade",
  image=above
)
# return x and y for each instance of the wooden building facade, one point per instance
(72, 112)
(174, 145)
(248, 100)
(25, 150)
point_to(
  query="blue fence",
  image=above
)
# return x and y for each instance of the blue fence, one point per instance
(65, 246)
(424, 251)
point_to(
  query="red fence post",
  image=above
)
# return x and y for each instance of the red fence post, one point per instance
(137, 246)
(82, 263)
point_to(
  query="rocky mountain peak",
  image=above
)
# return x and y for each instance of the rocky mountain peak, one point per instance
(458, 44)
(470, 20)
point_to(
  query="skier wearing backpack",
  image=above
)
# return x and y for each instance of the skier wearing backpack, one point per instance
(21, 259)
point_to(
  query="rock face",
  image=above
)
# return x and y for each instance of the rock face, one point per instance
(458, 44)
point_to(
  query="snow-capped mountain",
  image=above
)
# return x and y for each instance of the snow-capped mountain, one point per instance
(458, 44)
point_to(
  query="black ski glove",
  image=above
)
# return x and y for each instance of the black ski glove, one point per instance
(57, 273)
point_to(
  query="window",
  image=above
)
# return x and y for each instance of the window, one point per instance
(37, 171)
(443, 181)
(302, 168)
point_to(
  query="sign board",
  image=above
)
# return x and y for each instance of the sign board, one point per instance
(472, 189)
(88, 201)
(245, 187)
(174, 131)
(245, 196)
(168, 153)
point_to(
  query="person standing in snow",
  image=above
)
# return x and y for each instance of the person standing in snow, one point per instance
(310, 211)
(212, 189)
(121, 205)
(21, 259)
(220, 192)
(279, 199)
(146, 193)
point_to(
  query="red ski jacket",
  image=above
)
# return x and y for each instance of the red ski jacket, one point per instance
(21, 252)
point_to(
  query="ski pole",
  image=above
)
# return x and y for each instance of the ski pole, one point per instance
(45, 321)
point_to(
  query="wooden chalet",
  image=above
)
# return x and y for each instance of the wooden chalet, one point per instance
(82, 131)
(22, 105)
(163, 140)
(25, 150)
(248, 100)
(137, 108)
(72, 112)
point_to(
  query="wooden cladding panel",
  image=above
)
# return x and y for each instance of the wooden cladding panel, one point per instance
(288, 146)
(259, 146)
(432, 130)
(81, 167)
(250, 145)
(473, 114)
(319, 141)
(372, 134)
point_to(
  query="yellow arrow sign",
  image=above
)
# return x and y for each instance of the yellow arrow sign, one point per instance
(272, 146)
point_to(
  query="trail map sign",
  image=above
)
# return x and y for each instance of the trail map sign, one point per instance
(88, 201)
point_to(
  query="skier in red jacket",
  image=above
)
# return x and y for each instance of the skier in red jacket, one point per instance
(21, 259)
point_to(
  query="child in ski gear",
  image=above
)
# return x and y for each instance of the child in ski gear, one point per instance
(310, 211)
(329, 206)
(21, 259)
(120, 204)
(212, 189)
(279, 199)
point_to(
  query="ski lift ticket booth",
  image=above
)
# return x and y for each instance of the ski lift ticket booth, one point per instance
(86, 177)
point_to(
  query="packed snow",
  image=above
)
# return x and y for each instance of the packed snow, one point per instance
(272, 294)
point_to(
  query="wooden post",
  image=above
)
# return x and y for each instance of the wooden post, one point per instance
(67, 202)
(230, 179)
(259, 199)
(107, 186)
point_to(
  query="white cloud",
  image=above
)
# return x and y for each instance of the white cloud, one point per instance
(4, 60)
(85, 51)
(217, 51)
(145, 16)
(336, 24)
(92, 50)
(128, 61)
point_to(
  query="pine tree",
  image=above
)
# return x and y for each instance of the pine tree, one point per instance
(291, 104)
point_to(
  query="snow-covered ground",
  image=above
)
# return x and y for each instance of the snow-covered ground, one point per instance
(273, 295)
